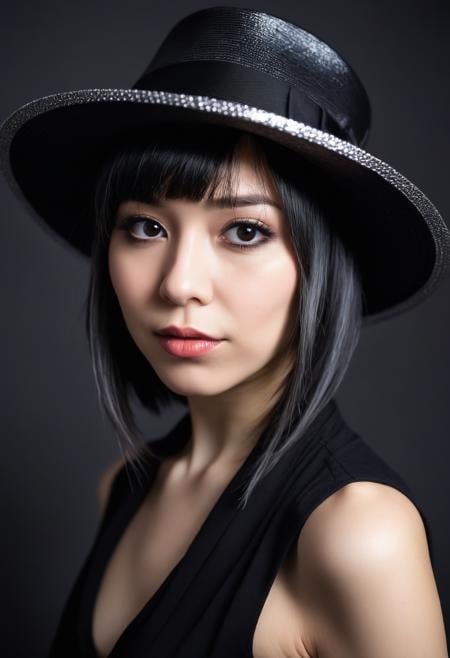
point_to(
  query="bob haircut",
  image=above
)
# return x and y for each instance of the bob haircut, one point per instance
(175, 161)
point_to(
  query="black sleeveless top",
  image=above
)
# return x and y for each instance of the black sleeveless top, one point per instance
(210, 603)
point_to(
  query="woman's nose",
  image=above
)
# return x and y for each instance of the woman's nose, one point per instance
(188, 270)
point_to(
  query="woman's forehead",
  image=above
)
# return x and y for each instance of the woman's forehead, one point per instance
(245, 197)
(167, 177)
(248, 174)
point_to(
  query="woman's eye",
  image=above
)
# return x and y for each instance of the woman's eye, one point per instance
(150, 231)
(244, 231)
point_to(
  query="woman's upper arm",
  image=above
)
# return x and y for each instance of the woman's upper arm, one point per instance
(366, 578)
(105, 482)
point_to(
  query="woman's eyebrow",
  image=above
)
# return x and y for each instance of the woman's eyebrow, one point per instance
(229, 202)
(247, 200)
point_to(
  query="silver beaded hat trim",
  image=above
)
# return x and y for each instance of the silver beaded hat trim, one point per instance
(274, 123)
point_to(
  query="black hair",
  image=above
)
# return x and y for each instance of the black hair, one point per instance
(174, 161)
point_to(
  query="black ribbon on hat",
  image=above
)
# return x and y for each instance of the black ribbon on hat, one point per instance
(233, 82)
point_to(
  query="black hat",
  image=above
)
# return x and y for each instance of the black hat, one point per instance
(264, 75)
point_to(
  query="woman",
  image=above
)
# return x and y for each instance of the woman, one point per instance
(261, 524)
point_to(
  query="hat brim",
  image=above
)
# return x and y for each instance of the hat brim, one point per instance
(51, 150)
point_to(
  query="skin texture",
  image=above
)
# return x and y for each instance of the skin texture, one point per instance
(365, 578)
(190, 274)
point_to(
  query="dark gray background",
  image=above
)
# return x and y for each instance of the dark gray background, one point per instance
(54, 440)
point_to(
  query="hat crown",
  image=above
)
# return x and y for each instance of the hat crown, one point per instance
(250, 56)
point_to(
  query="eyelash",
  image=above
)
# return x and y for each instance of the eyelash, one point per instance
(267, 232)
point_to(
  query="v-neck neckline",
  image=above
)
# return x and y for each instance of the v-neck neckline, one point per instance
(209, 533)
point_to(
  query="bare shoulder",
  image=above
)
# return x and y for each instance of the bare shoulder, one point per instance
(105, 482)
(364, 576)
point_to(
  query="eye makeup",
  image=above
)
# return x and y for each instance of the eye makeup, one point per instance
(252, 224)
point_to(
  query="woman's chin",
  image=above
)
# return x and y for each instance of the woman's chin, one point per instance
(190, 389)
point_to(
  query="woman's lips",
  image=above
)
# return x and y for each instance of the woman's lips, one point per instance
(187, 347)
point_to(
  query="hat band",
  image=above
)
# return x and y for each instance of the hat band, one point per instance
(241, 84)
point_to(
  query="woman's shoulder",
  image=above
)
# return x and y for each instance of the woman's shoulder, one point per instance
(350, 522)
(364, 568)
(346, 462)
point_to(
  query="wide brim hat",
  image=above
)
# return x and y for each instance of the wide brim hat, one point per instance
(259, 73)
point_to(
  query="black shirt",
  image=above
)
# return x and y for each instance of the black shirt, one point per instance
(209, 604)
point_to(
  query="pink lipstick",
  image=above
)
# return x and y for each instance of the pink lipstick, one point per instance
(186, 341)
(187, 346)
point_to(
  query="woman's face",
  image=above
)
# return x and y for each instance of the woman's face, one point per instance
(186, 268)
